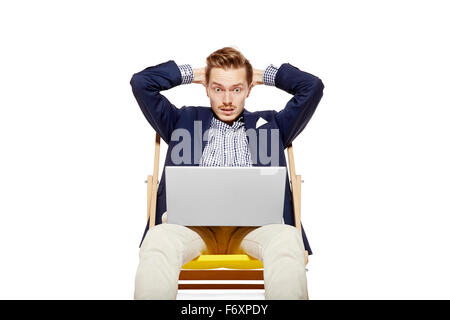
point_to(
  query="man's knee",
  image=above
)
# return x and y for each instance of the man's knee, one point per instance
(286, 237)
(163, 239)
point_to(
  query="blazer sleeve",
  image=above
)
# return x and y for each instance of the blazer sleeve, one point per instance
(158, 110)
(307, 90)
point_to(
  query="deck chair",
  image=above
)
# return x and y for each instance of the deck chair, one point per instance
(222, 267)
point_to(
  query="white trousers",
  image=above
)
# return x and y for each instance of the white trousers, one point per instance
(167, 247)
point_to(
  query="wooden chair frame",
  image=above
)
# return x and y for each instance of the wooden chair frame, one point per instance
(220, 274)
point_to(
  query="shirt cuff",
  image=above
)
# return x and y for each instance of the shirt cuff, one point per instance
(187, 74)
(269, 75)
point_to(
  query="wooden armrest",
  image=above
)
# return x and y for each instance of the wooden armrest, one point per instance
(149, 194)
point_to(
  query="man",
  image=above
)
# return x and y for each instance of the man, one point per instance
(225, 134)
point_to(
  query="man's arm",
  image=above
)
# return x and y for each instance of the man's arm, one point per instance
(307, 90)
(157, 109)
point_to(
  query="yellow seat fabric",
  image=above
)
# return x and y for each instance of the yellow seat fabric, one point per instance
(230, 261)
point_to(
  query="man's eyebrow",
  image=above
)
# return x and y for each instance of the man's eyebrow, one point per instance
(234, 85)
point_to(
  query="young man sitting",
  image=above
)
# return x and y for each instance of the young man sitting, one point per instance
(229, 135)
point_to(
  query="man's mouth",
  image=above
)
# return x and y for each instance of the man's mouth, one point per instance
(227, 110)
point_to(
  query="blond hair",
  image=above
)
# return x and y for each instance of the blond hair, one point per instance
(225, 58)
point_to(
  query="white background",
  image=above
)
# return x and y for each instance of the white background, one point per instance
(76, 149)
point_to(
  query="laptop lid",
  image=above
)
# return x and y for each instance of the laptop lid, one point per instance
(225, 196)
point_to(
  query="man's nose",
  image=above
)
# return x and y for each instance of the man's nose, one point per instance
(227, 99)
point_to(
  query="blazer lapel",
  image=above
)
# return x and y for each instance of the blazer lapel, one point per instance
(203, 123)
(250, 119)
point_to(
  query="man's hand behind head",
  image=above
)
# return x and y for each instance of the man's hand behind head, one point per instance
(257, 77)
(199, 76)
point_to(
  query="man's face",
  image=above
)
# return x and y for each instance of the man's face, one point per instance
(227, 91)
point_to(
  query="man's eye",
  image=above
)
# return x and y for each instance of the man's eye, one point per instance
(237, 90)
(217, 89)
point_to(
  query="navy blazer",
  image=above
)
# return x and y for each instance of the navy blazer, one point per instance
(164, 117)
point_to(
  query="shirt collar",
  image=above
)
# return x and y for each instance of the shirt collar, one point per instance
(238, 123)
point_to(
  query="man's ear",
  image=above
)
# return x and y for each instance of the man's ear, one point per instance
(206, 88)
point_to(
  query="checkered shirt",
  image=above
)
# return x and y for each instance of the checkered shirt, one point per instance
(227, 145)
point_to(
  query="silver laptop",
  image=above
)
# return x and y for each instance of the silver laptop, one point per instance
(225, 196)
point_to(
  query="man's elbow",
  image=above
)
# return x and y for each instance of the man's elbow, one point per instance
(136, 81)
(318, 85)
(317, 88)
